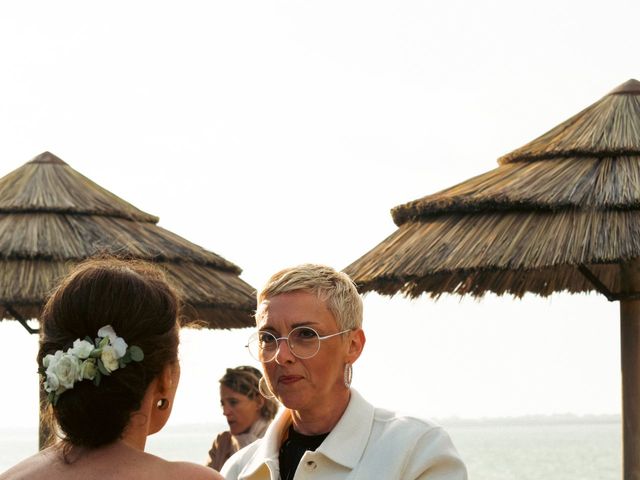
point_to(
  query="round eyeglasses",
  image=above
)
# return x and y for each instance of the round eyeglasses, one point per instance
(304, 342)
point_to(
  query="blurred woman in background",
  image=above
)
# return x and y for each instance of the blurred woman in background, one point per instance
(248, 413)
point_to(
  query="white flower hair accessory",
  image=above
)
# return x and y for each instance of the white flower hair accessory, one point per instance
(86, 360)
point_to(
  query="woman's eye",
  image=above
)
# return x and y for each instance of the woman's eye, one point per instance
(266, 338)
(305, 333)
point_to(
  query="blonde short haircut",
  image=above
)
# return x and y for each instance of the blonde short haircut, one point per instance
(335, 289)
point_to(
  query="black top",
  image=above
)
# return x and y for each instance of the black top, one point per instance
(293, 449)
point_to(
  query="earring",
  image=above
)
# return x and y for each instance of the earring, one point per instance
(348, 375)
(162, 404)
(263, 388)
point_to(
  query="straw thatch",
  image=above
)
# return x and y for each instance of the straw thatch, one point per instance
(560, 213)
(52, 217)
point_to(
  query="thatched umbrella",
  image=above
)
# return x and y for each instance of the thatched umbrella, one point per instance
(562, 213)
(52, 217)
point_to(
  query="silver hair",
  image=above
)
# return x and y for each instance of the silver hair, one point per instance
(334, 288)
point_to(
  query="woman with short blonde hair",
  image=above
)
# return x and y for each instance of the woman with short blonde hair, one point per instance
(309, 321)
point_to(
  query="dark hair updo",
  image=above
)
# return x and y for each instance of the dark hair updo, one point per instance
(245, 380)
(136, 300)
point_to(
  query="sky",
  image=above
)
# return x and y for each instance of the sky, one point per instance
(280, 132)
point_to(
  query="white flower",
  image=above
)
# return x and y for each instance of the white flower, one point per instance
(49, 359)
(109, 358)
(120, 346)
(51, 384)
(107, 331)
(116, 342)
(50, 362)
(81, 349)
(88, 369)
(63, 369)
(66, 369)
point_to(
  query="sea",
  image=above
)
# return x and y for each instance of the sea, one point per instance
(530, 448)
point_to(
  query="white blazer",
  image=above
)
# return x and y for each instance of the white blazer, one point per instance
(367, 443)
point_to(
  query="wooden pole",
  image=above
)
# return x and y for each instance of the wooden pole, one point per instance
(630, 363)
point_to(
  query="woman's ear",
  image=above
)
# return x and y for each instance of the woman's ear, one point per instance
(260, 401)
(357, 340)
(168, 379)
(163, 392)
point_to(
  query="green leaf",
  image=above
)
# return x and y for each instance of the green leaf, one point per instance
(121, 363)
(127, 356)
(88, 339)
(137, 355)
(97, 378)
(96, 353)
(104, 342)
(101, 368)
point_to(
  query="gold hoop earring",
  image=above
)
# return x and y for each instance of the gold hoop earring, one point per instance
(263, 388)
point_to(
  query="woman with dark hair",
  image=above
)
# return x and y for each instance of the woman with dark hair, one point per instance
(109, 361)
(248, 413)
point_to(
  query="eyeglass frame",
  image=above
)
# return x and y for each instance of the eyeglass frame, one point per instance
(277, 340)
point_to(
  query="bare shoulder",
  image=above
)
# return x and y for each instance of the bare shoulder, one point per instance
(194, 471)
(32, 467)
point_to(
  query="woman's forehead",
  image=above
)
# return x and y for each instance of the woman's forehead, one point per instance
(228, 392)
(294, 309)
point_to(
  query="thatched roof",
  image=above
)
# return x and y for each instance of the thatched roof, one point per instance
(52, 217)
(555, 211)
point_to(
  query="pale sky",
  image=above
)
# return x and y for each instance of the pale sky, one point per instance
(280, 132)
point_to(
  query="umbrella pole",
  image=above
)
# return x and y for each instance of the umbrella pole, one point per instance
(630, 360)
(630, 363)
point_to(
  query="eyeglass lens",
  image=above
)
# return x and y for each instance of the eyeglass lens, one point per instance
(303, 342)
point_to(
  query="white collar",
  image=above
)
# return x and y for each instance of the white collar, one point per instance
(352, 430)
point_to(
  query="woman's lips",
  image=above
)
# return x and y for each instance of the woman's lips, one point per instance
(289, 379)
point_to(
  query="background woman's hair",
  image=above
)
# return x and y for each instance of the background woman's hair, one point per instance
(334, 288)
(136, 300)
(244, 379)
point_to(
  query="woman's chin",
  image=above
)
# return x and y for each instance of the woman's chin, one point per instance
(292, 399)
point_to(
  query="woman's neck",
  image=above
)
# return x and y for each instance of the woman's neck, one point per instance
(320, 419)
(139, 427)
(135, 438)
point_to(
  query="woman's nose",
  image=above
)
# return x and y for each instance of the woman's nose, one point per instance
(226, 410)
(283, 353)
